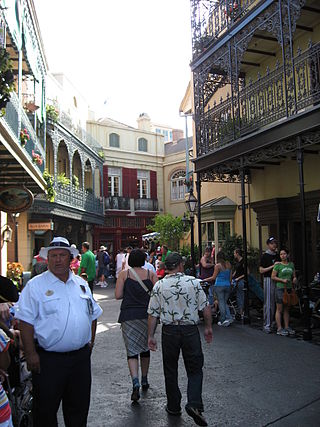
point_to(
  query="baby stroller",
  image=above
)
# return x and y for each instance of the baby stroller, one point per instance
(18, 386)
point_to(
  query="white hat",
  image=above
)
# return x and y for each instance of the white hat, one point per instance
(58, 242)
(102, 248)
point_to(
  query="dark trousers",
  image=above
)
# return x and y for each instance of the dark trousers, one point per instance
(187, 339)
(63, 377)
(90, 283)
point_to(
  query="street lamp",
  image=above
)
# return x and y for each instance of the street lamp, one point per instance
(191, 204)
(15, 217)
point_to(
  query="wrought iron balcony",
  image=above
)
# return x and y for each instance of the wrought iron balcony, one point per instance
(79, 199)
(13, 111)
(210, 19)
(278, 95)
(146, 204)
(117, 203)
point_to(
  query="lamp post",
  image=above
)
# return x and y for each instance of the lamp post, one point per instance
(191, 204)
(15, 218)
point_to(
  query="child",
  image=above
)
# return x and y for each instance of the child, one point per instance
(161, 270)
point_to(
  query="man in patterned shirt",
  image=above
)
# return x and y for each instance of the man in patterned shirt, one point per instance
(176, 300)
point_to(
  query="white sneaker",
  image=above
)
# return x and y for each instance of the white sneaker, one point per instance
(219, 323)
(104, 285)
(99, 284)
(226, 323)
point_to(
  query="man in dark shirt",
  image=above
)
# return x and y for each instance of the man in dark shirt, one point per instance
(238, 277)
(268, 260)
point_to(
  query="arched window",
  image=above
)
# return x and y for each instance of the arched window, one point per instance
(142, 144)
(114, 140)
(177, 185)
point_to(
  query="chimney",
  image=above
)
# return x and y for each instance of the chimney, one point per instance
(144, 122)
(177, 134)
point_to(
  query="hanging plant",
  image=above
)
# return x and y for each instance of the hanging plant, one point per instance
(6, 80)
(63, 180)
(24, 137)
(36, 158)
(52, 113)
(101, 154)
(75, 181)
(51, 192)
(188, 183)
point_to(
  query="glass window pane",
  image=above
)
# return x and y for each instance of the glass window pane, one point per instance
(144, 189)
(115, 186)
(142, 144)
(223, 231)
(114, 140)
(110, 186)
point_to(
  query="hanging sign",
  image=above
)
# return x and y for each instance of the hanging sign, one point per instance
(14, 199)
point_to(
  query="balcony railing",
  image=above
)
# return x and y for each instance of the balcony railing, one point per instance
(263, 102)
(11, 117)
(211, 18)
(146, 204)
(117, 203)
(79, 199)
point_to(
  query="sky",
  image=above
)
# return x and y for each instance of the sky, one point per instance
(125, 56)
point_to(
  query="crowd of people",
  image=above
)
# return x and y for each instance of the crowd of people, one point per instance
(57, 323)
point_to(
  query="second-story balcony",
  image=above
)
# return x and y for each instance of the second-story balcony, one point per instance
(117, 203)
(146, 205)
(79, 199)
(17, 119)
(262, 103)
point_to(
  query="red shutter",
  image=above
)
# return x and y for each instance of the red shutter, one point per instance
(153, 184)
(129, 183)
(105, 180)
(133, 181)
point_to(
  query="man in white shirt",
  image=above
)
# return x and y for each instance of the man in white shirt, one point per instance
(58, 318)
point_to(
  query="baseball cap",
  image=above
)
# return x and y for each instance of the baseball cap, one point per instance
(173, 260)
(271, 239)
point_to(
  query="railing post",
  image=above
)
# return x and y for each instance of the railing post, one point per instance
(284, 59)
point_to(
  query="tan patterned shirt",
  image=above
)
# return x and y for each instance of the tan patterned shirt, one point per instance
(177, 298)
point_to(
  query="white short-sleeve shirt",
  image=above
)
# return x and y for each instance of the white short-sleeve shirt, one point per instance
(61, 313)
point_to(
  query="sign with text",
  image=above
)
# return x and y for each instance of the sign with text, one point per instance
(40, 226)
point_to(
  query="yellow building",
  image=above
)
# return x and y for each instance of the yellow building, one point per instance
(256, 87)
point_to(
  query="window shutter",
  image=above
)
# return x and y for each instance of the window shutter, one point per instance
(133, 182)
(153, 184)
(105, 180)
(129, 183)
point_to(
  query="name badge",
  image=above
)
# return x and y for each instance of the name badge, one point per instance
(49, 293)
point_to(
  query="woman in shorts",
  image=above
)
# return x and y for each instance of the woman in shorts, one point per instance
(285, 277)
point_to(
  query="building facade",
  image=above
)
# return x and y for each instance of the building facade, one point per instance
(132, 181)
(22, 128)
(256, 86)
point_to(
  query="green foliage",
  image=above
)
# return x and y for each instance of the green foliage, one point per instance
(63, 180)
(101, 154)
(52, 113)
(6, 79)
(253, 257)
(75, 181)
(170, 229)
(186, 252)
(51, 193)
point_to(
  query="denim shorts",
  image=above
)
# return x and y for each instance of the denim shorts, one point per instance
(279, 294)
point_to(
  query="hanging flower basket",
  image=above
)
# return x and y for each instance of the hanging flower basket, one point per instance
(36, 158)
(24, 137)
(188, 182)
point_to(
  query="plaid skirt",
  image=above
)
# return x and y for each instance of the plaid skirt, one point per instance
(135, 336)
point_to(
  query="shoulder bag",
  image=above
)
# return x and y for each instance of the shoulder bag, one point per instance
(140, 281)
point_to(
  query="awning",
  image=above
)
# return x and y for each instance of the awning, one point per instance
(151, 237)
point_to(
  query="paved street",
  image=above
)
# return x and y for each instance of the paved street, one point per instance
(250, 379)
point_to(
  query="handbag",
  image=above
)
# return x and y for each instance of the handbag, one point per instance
(290, 299)
(140, 281)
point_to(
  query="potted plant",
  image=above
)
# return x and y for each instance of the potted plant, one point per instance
(14, 272)
(75, 181)
(52, 113)
(24, 137)
(6, 80)
(51, 193)
(36, 158)
(63, 180)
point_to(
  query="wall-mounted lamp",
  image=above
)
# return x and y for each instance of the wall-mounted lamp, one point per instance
(7, 234)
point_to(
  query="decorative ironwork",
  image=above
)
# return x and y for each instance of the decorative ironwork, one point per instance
(212, 176)
(210, 19)
(146, 204)
(261, 103)
(117, 203)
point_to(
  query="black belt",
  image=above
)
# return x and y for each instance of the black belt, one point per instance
(63, 353)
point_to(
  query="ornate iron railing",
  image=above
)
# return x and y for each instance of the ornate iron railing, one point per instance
(262, 102)
(210, 18)
(11, 117)
(79, 199)
(117, 203)
(146, 204)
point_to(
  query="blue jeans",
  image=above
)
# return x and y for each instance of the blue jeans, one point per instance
(223, 293)
(210, 295)
(187, 339)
